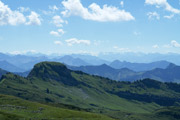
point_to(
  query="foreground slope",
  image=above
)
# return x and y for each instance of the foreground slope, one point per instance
(51, 82)
(15, 108)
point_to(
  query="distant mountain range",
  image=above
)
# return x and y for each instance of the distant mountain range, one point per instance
(2, 72)
(9, 67)
(141, 57)
(69, 60)
(116, 70)
(92, 60)
(170, 74)
(139, 66)
(105, 71)
(23, 63)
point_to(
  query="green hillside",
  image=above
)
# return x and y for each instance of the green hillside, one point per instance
(18, 109)
(53, 83)
(15, 108)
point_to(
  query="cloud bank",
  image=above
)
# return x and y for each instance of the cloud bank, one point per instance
(10, 17)
(72, 41)
(164, 4)
(95, 12)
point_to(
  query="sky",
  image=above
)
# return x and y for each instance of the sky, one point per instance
(89, 26)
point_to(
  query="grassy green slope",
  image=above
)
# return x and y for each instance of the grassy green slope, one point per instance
(169, 113)
(15, 108)
(91, 97)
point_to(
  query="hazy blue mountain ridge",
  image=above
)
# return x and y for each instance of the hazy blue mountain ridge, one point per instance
(139, 66)
(170, 74)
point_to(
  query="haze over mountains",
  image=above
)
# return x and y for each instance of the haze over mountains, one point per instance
(10, 67)
(169, 74)
(142, 57)
(19, 63)
(139, 66)
(115, 70)
(2, 72)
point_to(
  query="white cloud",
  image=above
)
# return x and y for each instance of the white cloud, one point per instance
(58, 42)
(175, 44)
(72, 41)
(95, 12)
(153, 15)
(23, 9)
(34, 19)
(32, 51)
(7, 16)
(122, 50)
(155, 46)
(163, 3)
(122, 3)
(54, 33)
(61, 31)
(15, 52)
(58, 21)
(169, 17)
(53, 8)
(23, 52)
(57, 33)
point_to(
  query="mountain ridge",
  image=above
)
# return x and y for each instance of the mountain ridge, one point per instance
(91, 92)
(138, 67)
(9, 67)
(169, 74)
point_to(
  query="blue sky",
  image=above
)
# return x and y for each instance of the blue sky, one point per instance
(89, 26)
